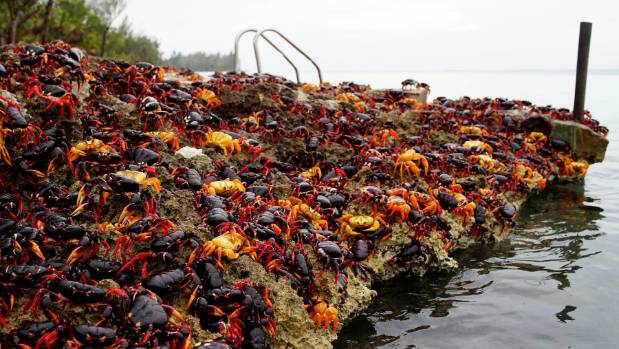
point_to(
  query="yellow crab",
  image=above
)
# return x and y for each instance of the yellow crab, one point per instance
(486, 192)
(313, 174)
(141, 178)
(230, 245)
(224, 141)
(169, 138)
(409, 161)
(348, 98)
(529, 176)
(535, 137)
(208, 97)
(472, 130)
(309, 87)
(4, 153)
(82, 148)
(531, 141)
(224, 187)
(410, 102)
(302, 208)
(577, 168)
(351, 225)
(360, 107)
(486, 161)
(479, 146)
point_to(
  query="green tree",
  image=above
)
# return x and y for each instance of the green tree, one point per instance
(89, 25)
(46, 16)
(107, 11)
(18, 13)
(201, 61)
(125, 45)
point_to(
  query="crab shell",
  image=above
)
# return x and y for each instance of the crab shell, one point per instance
(224, 187)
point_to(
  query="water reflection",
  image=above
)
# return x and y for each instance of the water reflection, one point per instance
(564, 315)
(544, 250)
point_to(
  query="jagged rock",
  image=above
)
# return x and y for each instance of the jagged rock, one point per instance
(536, 123)
(586, 144)
(294, 327)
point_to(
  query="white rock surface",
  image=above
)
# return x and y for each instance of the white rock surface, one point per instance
(189, 152)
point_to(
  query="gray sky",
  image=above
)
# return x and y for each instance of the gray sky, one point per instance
(395, 35)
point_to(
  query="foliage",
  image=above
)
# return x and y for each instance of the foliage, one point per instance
(107, 11)
(89, 25)
(201, 61)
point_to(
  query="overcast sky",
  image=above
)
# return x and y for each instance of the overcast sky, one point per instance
(362, 35)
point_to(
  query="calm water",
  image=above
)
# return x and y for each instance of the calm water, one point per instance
(553, 284)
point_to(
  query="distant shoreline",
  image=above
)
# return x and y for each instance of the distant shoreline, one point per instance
(479, 71)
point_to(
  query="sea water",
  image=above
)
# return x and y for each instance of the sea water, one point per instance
(553, 284)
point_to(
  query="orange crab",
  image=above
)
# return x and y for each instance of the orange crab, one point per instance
(208, 97)
(309, 87)
(409, 161)
(360, 107)
(169, 138)
(535, 137)
(427, 203)
(465, 208)
(472, 130)
(412, 103)
(324, 315)
(381, 138)
(252, 122)
(398, 207)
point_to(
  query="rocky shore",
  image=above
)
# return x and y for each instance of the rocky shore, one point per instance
(249, 210)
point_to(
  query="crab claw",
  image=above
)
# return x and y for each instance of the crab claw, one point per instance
(173, 313)
(81, 208)
(153, 182)
(34, 247)
(75, 255)
(192, 298)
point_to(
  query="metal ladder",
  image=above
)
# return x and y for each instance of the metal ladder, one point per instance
(260, 34)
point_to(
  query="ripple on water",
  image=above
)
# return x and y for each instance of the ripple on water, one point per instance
(551, 285)
(528, 291)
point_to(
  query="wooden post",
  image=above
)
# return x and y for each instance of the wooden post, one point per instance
(584, 42)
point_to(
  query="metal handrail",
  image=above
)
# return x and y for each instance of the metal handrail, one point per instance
(236, 47)
(256, 52)
(237, 64)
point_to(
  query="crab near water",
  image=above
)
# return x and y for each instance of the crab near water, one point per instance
(309, 189)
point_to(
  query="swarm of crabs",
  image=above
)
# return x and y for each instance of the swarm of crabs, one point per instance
(307, 181)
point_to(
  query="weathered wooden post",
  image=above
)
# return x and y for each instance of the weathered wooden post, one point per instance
(584, 42)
